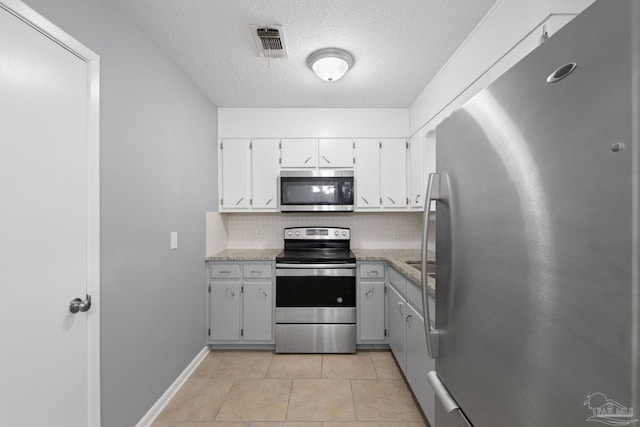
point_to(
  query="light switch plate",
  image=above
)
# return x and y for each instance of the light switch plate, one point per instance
(174, 240)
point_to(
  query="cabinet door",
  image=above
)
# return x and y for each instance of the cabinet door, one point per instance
(416, 174)
(396, 310)
(299, 153)
(234, 180)
(419, 363)
(225, 311)
(429, 154)
(393, 167)
(371, 311)
(335, 153)
(264, 173)
(367, 174)
(257, 311)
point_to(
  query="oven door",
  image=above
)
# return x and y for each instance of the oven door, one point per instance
(315, 310)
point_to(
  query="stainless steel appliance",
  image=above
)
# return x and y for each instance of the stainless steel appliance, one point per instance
(316, 292)
(537, 234)
(316, 190)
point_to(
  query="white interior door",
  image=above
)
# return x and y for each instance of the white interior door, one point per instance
(49, 243)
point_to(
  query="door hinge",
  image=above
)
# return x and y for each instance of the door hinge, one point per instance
(407, 144)
(241, 332)
(354, 144)
(209, 288)
(251, 202)
(209, 333)
(280, 145)
(280, 161)
(380, 200)
(242, 289)
(385, 332)
(354, 160)
(251, 146)
(407, 200)
(385, 289)
(545, 34)
(380, 142)
(221, 145)
(221, 202)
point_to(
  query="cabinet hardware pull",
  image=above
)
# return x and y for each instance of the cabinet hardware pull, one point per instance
(255, 272)
(373, 272)
(365, 200)
(262, 292)
(400, 308)
(225, 272)
(229, 292)
(417, 198)
(325, 159)
(392, 201)
(369, 292)
(307, 161)
(409, 318)
(269, 201)
(238, 202)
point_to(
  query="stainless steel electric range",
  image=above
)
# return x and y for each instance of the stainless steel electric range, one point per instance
(316, 292)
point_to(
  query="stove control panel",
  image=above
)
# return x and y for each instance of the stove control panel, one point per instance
(317, 233)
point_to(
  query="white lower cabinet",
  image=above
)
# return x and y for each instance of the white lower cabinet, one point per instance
(371, 303)
(408, 342)
(241, 303)
(419, 363)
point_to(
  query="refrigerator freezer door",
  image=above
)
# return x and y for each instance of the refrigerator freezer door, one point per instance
(535, 300)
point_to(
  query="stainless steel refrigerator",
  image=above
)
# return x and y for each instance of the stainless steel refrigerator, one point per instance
(537, 234)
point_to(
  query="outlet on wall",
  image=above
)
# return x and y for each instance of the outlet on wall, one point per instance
(259, 234)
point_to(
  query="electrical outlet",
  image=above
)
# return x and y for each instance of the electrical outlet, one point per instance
(259, 233)
(396, 233)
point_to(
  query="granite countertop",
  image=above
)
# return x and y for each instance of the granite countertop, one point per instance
(245, 255)
(397, 258)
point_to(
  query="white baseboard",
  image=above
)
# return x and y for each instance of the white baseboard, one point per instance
(166, 397)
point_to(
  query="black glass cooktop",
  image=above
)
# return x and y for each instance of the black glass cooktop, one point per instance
(311, 256)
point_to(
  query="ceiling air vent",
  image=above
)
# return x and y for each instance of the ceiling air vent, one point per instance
(269, 40)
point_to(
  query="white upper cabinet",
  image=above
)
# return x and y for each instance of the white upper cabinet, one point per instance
(429, 149)
(367, 174)
(299, 153)
(335, 153)
(393, 173)
(416, 175)
(234, 162)
(264, 173)
(248, 174)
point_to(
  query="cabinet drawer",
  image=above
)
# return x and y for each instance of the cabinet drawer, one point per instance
(225, 271)
(256, 271)
(371, 271)
(398, 281)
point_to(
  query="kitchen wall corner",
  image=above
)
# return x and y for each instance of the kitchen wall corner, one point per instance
(217, 238)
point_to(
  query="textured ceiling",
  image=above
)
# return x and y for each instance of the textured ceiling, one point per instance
(398, 46)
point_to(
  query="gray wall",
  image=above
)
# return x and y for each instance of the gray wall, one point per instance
(158, 174)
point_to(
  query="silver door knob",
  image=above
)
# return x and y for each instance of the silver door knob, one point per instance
(77, 304)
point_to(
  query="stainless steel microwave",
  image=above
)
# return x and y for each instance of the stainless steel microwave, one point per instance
(316, 191)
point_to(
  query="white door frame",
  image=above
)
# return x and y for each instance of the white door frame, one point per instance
(46, 27)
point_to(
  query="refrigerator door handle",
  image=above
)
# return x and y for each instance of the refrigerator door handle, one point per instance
(432, 193)
(441, 392)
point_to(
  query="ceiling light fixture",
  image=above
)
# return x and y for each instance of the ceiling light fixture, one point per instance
(330, 64)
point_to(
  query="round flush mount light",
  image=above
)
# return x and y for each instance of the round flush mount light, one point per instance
(330, 64)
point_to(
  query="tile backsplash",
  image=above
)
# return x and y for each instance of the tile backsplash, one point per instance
(264, 231)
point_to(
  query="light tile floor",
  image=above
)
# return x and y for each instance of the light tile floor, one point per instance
(263, 389)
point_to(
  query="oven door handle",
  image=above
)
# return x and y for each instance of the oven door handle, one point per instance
(315, 266)
(328, 272)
